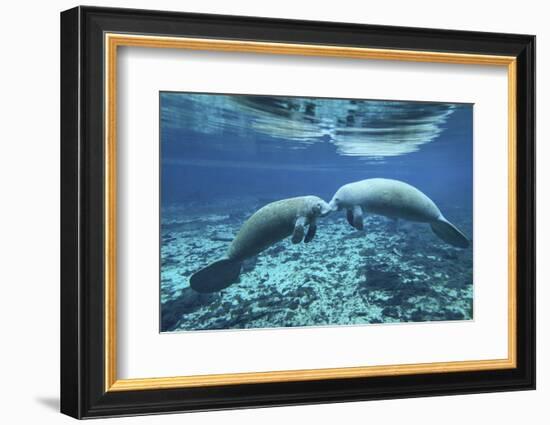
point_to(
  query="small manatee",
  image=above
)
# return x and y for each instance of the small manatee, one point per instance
(267, 226)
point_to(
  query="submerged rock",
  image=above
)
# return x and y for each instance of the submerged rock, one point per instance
(368, 252)
(249, 264)
(453, 315)
(418, 315)
(354, 235)
(187, 225)
(392, 312)
(377, 279)
(220, 237)
(187, 302)
(275, 250)
(169, 260)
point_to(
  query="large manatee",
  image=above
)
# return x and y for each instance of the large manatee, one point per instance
(267, 226)
(394, 199)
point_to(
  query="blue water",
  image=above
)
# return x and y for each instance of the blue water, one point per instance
(225, 156)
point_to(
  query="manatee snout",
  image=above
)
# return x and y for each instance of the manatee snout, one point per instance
(338, 201)
(321, 208)
(334, 205)
(314, 207)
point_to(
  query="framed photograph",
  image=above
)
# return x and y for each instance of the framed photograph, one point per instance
(261, 212)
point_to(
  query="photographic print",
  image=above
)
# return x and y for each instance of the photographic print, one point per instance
(280, 211)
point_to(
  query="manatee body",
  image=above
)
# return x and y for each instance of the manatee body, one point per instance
(397, 200)
(267, 226)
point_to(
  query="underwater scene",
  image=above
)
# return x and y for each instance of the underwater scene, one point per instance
(283, 211)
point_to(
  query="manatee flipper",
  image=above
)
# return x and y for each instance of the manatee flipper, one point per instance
(298, 233)
(357, 217)
(349, 216)
(449, 233)
(216, 276)
(310, 232)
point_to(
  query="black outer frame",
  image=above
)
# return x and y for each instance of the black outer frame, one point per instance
(82, 219)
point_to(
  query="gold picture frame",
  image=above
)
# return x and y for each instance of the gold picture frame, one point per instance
(114, 41)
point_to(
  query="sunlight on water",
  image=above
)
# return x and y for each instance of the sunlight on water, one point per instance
(361, 128)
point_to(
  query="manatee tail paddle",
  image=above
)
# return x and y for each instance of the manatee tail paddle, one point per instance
(449, 233)
(216, 276)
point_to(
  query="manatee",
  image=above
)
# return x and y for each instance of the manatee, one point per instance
(267, 226)
(397, 200)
